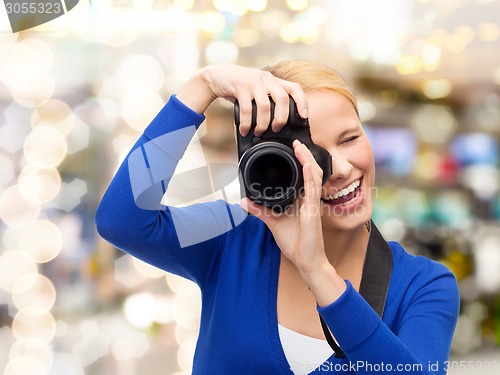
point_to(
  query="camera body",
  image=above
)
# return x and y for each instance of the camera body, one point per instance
(269, 172)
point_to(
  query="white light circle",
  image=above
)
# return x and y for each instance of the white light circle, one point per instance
(221, 52)
(141, 72)
(42, 241)
(15, 210)
(25, 365)
(14, 265)
(39, 185)
(34, 322)
(34, 290)
(139, 108)
(33, 348)
(45, 147)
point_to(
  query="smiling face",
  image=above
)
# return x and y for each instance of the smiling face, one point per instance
(346, 198)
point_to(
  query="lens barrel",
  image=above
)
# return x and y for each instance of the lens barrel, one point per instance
(271, 174)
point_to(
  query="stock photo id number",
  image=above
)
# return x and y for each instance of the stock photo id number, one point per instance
(24, 14)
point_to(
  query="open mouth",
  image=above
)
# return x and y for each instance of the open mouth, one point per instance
(346, 195)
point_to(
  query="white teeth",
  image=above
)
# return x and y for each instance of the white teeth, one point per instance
(345, 191)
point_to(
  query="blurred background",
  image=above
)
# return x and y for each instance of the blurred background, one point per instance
(76, 93)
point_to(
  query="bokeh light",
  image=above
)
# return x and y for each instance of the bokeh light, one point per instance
(41, 240)
(184, 5)
(427, 165)
(140, 72)
(39, 185)
(186, 310)
(221, 52)
(24, 61)
(483, 180)
(34, 290)
(125, 272)
(45, 147)
(147, 270)
(34, 322)
(409, 64)
(185, 354)
(140, 309)
(467, 335)
(54, 113)
(431, 55)
(26, 365)
(257, 5)
(297, 5)
(76, 93)
(434, 123)
(94, 344)
(211, 22)
(33, 93)
(131, 345)
(29, 349)
(145, 4)
(367, 110)
(488, 31)
(6, 170)
(13, 266)
(140, 107)
(496, 75)
(387, 97)
(246, 37)
(15, 210)
(437, 88)
(235, 7)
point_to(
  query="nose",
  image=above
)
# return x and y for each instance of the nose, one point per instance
(341, 167)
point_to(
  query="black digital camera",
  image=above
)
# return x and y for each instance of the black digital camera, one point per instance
(269, 172)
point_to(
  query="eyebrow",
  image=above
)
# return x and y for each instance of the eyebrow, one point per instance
(352, 129)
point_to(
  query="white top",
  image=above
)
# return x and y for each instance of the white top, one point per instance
(303, 353)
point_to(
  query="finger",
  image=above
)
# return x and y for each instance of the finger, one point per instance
(304, 155)
(312, 192)
(311, 186)
(263, 111)
(268, 216)
(245, 104)
(281, 109)
(231, 99)
(297, 93)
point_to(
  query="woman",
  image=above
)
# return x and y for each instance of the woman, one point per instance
(265, 277)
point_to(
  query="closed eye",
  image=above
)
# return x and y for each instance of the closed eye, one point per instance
(350, 139)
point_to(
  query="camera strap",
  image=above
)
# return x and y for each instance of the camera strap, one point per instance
(375, 279)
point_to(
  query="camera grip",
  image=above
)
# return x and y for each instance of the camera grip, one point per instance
(254, 113)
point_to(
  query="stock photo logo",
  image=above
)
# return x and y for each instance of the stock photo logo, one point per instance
(151, 168)
(25, 14)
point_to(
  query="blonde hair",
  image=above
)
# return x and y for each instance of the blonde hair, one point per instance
(312, 75)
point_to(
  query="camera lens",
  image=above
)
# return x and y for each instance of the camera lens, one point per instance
(271, 174)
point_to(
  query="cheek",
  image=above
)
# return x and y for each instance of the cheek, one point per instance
(369, 159)
(362, 156)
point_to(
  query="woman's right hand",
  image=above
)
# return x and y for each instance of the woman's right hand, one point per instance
(244, 84)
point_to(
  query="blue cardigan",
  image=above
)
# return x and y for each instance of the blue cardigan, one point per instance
(235, 261)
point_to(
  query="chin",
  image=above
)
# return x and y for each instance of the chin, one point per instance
(341, 219)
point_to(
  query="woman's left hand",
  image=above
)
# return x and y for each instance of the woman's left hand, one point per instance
(298, 231)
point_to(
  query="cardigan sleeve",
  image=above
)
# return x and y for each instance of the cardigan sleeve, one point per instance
(422, 341)
(185, 241)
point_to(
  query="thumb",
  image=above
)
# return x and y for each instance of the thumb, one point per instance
(268, 216)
